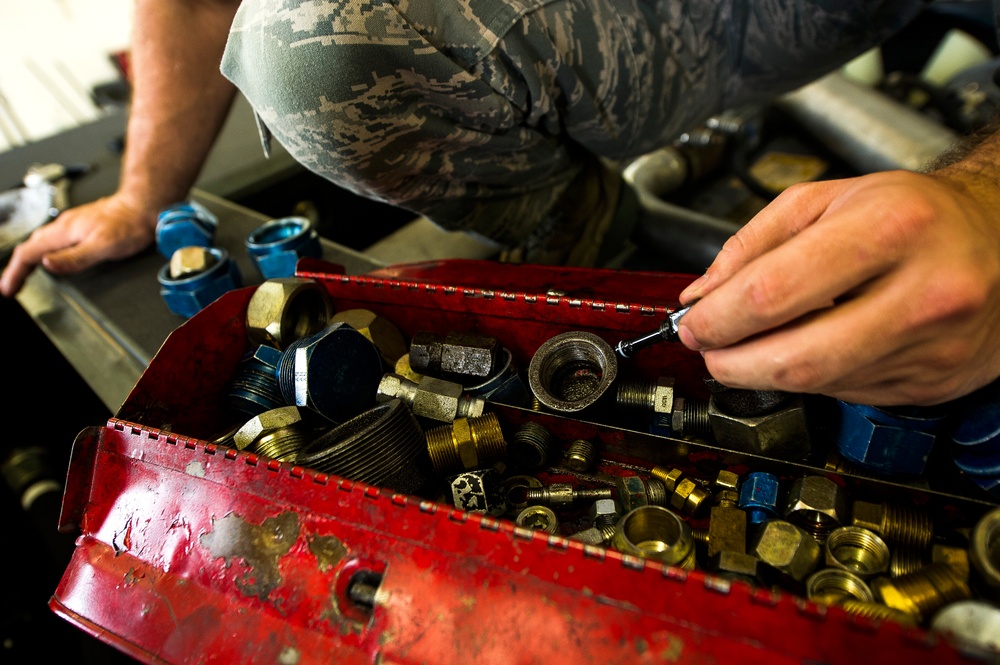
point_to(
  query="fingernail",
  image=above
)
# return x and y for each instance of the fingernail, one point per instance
(687, 338)
(693, 290)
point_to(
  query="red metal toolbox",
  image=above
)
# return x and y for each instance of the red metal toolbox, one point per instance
(192, 551)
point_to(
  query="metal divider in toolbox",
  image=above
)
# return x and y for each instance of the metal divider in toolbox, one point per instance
(192, 551)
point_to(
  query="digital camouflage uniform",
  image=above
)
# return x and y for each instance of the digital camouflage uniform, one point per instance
(491, 115)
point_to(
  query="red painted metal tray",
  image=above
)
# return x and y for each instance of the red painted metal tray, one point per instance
(192, 552)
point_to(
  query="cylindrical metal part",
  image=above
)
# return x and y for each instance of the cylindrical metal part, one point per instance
(466, 444)
(858, 551)
(581, 455)
(984, 554)
(571, 371)
(657, 533)
(833, 585)
(922, 592)
(539, 518)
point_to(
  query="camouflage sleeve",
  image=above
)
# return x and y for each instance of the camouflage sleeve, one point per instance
(480, 113)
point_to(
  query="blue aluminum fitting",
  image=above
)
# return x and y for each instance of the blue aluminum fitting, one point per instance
(185, 224)
(892, 442)
(276, 246)
(759, 496)
(189, 294)
(975, 437)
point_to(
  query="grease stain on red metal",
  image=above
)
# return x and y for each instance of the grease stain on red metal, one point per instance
(259, 546)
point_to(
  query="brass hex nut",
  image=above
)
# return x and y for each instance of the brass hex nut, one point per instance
(285, 309)
(786, 548)
(188, 261)
(727, 531)
(727, 480)
(816, 500)
(267, 424)
(783, 432)
(688, 496)
(383, 333)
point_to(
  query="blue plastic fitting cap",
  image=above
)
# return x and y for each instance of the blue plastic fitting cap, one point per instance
(184, 224)
(186, 296)
(276, 246)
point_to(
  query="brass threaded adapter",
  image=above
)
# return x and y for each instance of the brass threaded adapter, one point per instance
(900, 525)
(922, 592)
(466, 444)
(581, 455)
(875, 610)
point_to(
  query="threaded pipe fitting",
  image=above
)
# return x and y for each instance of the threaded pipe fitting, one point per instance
(834, 585)
(564, 494)
(858, 551)
(657, 492)
(922, 592)
(466, 444)
(581, 455)
(531, 445)
(898, 525)
(571, 371)
(876, 611)
(905, 560)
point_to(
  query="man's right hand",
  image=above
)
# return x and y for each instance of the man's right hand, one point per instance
(107, 229)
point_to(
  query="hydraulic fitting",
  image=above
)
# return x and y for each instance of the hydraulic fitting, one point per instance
(604, 512)
(780, 433)
(382, 446)
(382, 332)
(285, 309)
(735, 566)
(457, 354)
(831, 586)
(571, 371)
(856, 550)
(595, 535)
(891, 441)
(669, 411)
(193, 291)
(984, 554)
(466, 444)
(478, 491)
(785, 548)
(876, 611)
(688, 497)
(276, 246)
(514, 488)
(727, 531)
(817, 504)
(431, 398)
(333, 372)
(564, 495)
(581, 455)
(184, 224)
(655, 532)
(922, 592)
(669, 477)
(532, 445)
(254, 388)
(635, 491)
(953, 555)
(278, 433)
(759, 496)
(539, 518)
(897, 524)
(727, 486)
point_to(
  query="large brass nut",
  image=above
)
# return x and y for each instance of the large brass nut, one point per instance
(786, 548)
(267, 424)
(382, 332)
(816, 501)
(657, 533)
(783, 432)
(285, 309)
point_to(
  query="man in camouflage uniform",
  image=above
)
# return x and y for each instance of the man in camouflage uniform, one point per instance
(492, 117)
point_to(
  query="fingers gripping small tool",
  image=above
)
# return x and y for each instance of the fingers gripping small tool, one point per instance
(667, 332)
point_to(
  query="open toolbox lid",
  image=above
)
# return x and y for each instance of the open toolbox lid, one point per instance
(190, 551)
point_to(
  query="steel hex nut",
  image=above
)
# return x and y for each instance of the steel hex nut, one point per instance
(285, 309)
(786, 548)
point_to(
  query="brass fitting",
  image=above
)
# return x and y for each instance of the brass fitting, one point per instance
(466, 444)
(514, 489)
(192, 260)
(581, 455)
(831, 586)
(457, 353)
(954, 556)
(876, 611)
(921, 593)
(727, 489)
(564, 495)
(285, 309)
(381, 331)
(727, 531)
(669, 477)
(898, 525)
(735, 565)
(786, 548)
(984, 553)
(688, 497)
(432, 398)
(816, 504)
(277, 433)
(654, 532)
(539, 518)
(858, 551)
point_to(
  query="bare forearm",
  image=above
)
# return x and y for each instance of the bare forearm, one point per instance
(179, 98)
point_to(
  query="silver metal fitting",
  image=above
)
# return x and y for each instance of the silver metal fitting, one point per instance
(571, 371)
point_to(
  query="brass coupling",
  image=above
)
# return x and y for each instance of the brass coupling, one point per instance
(571, 371)
(466, 444)
(921, 593)
(657, 533)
